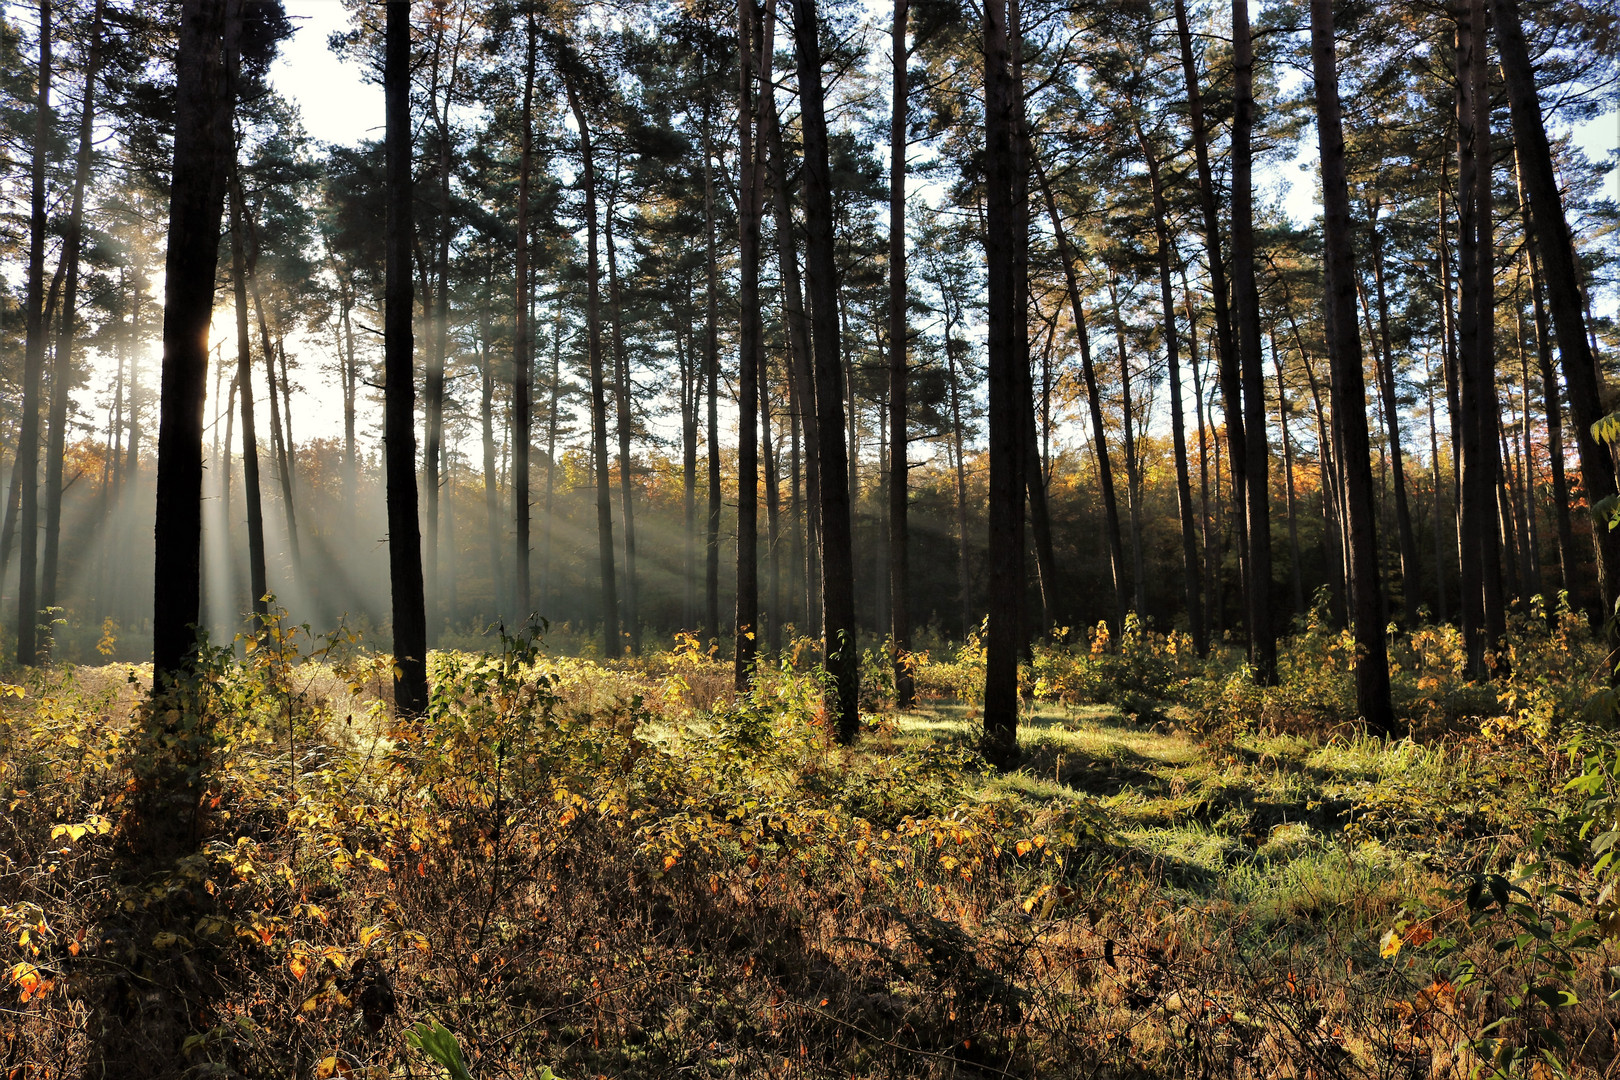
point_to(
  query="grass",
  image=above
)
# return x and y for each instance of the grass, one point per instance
(621, 871)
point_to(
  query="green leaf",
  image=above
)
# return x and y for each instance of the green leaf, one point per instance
(438, 1043)
(1554, 997)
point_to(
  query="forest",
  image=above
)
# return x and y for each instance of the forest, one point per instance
(824, 538)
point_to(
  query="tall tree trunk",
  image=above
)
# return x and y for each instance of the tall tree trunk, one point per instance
(551, 456)
(492, 498)
(522, 333)
(1483, 614)
(1555, 247)
(1246, 309)
(1439, 499)
(691, 396)
(821, 274)
(1005, 237)
(1099, 427)
(1411, 571)
(278, 441)
(1294, 574)
(62, 369)
(1212, 562)
(196, 198)
(37, 329)
(772, 513)
(258, 581)
(1226, 348)
(1133, 478)
(399, 381)
(711, 367)
(1178, 430)
(801, 364)
(750, 348)
(1349, 391)
(899, 469)
(625, 424)
(611, 646)
(964, 574)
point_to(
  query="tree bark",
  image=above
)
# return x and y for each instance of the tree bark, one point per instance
(1178, 429)
(750, 349)
(1005, 235)
(27, 464)
(399, 382)
(1099, 427)
(611, 646)
(1349, 391)
(62, 369)
(625, 425)
(1411, 571)
(1230, 374)
(523, 333)
(899, 470)
(196, 198)
(1555, 247)
(1246, 309)
(711, 367)
(821, 274)
(252, 492)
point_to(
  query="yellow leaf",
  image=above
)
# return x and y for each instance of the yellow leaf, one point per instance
(327, 1068)
(370, 934)
(251, 645)
(376, 863)
(1023, 847)
(669, 861)
(166, 940)
(297, 967)
(1390, 945)
(25, 976)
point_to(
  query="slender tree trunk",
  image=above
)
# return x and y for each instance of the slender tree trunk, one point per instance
(711, 366)
(1246, 309)
(1212, 562)
(1178, 432)
(492, 497)
(1555, 248)
(551, 457)
(399, 382)
(899, 469)
(691, 395)
(27, 465)
(837, 555)
(1483, 613)
(1005, 237)
(801, 371)
(964, 575)
(1133, 480)
(62, 370)
(1099, 427)
(1439, 499)
(772, 513)
(750, 348)
(625, 423)
(258, 581)
(611, 646)
(1349, 392)
(1411, 571)
(1226, 348)
(1288, 478)
(523, 334)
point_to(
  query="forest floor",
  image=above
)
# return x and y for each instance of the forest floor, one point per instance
(621, 871)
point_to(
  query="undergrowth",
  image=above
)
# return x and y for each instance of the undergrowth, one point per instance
(626, 870)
